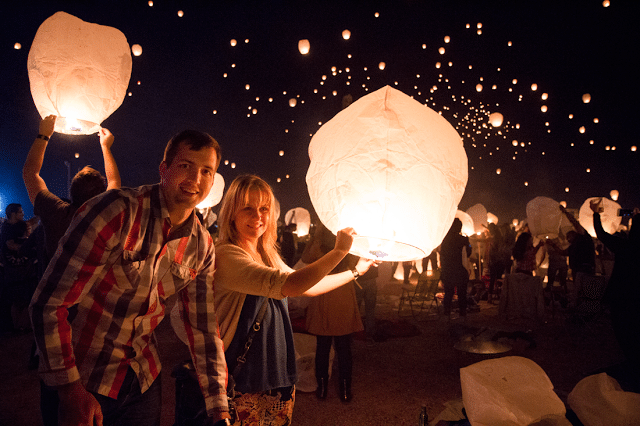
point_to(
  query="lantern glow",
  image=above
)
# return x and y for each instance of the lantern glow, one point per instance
(304, 46)
(609, 217)
(495, 118)
(78, 71)
(215, 194)
(391, 168)
(301, 217)
(544, 217)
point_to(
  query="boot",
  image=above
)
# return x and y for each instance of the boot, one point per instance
(344, 390)
(321, 390)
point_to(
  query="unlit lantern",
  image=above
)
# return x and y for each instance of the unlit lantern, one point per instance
(78, 71)
(392, 169)
(544, 217)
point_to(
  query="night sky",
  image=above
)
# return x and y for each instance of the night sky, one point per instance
(190, 76)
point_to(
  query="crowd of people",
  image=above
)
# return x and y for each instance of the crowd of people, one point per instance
(96, 273)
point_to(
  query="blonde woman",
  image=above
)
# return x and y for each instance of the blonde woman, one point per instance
(250, 269)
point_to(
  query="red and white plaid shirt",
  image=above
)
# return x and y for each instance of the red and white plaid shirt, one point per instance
(115, 268)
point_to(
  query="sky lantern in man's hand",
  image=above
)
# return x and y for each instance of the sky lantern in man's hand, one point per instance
(301, 217)
(215, 194)
(78, 71)
(544, 217)
(392, 169)
(609, 216)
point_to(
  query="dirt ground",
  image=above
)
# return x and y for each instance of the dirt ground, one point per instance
(417, 365)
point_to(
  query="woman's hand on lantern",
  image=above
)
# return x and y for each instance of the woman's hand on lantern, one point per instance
(106, 138)
(595, 205)
(47, 125)
(364, 264)
(344, 239)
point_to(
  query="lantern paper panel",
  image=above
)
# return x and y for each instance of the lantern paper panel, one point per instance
(479, 215)
(78, 71)
(467, 223)
(544, 217)
(301, 217)
(609, 217)
(215, 194)
(392, 169)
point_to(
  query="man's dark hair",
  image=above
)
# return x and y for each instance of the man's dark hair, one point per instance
(195, 140)
(86, 184)
(11, 209)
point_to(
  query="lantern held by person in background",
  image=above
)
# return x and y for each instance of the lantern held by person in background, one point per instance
(467, 223)
(78, 71)
(392, 169)
(301, 217)
(215, 194)
(304, 46)
(495, 118)
(492, 218)
(609, 217)
(544, 217)
(479, 215)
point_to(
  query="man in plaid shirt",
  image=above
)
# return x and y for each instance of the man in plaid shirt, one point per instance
(105, 290)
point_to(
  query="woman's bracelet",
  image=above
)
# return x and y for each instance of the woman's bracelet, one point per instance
(43, 137)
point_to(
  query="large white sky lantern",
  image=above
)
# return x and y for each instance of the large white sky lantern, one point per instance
(301, 217)
(392, 169)
(78, 71)
(215, 194)
(479, 215)
(609, 218)
(544, 217)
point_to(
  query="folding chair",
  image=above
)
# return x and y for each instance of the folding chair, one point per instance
(421, 293)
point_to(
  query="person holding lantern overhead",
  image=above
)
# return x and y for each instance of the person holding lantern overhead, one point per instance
(106, 288)
(251, 274)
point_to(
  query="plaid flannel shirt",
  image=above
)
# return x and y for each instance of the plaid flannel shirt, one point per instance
(115, 268)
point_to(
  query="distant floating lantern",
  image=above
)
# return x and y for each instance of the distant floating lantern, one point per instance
(566, 189)
(478, 87)
(215, 193)
(304, 46)
(582, 129)
(77, 155)
(441, 50)
(606, 3)
(543, 108)
(586, 98)
(281, 153)
(136, 49)
(514, 142)
(382, 65)
(247, 87)
(563, 204)
(292, 102)
(301, 217)
(614, 194)
(479, 215)
(447, 39)
(17, 46)
(78, 71)
(534, 87)
(393, 169)
(150, 3)
(609, 217)
(495, 118)
(180, 13)
(346, 34)
(233, 42)
(467, 223)
(634, 148)
(544, 217)
(544, 96)
(498, 171)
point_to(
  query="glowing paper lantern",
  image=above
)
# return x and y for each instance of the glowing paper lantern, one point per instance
(479, 215)
(492, 218)
(17, 46)
(495, 118)
(304, 46)
(478, 87)
(614, 194)
(346, 34)
(293, 102)
(136, 49)
(301, 217)
(78, 71)
(393, 169)
(215, 194)
(382, 65)
(467, 223)
(586, 98)
(609, 217)
(544, 217)
(233, 42)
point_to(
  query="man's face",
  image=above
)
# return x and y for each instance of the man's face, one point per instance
(17, 216)
(188, 180)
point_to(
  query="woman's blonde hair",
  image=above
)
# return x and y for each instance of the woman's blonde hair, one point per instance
(236, 198)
